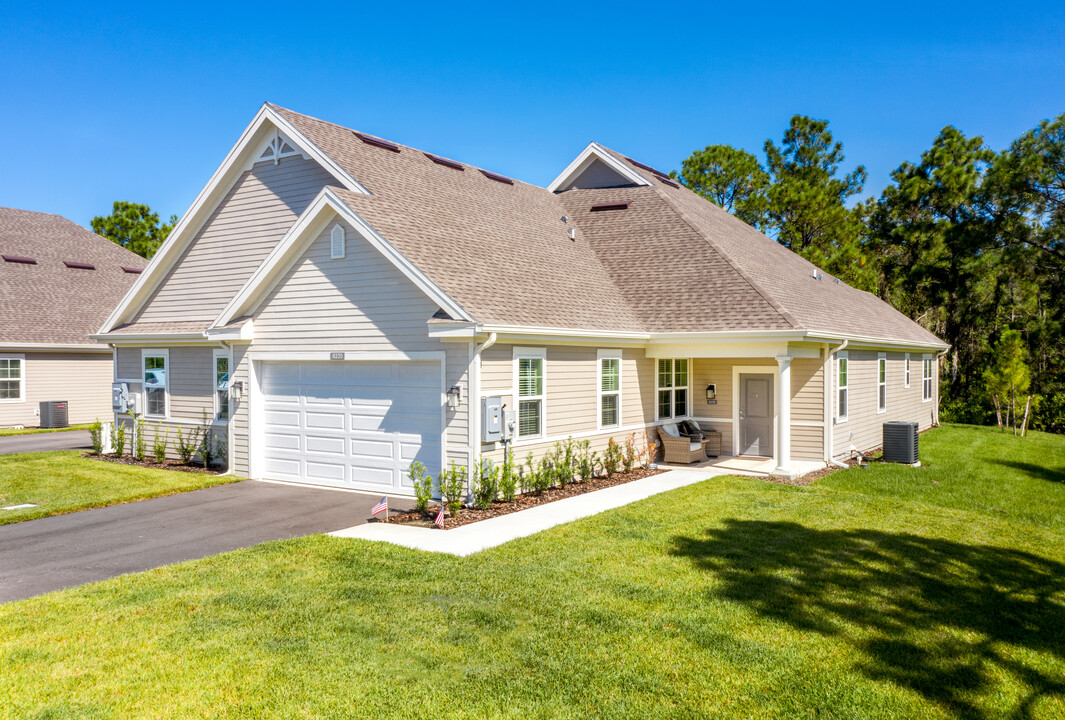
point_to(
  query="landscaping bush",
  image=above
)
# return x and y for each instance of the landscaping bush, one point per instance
(628, 460)
(96, 435)
(508, 479)
(221, 451)
(423, 485)
(612, 459)
(118, 439)
(486, 487)
(453, 487)
(206, 447)
(186, 447)
(138, 436)
(159, 444)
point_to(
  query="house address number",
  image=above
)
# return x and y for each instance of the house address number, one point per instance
(336, 356)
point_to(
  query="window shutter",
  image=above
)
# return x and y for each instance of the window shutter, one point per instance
(337, 242)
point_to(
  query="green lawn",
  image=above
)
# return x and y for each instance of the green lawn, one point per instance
(62, 482)
(733, 598)
(4, 432)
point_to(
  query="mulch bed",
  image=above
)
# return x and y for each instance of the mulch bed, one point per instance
(811, 477)
(521, 502)
(146, 463)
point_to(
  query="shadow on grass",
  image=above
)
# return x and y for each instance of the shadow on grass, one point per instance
(1036, 471)
(941, 618)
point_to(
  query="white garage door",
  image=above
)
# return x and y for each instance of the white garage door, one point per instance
(351, 424)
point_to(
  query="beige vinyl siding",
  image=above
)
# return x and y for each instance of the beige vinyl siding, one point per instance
(864, 425)
(358, 303)
(807, 409)
(250, 220)
(83, 380)
(239, 419)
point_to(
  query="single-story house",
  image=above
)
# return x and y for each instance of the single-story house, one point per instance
(58, 281)
(340, 305)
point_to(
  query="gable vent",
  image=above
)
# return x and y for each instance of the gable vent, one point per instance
(609, 206)
(377, 142)
(336, 242)
(79, 266)
(444, 161)
(497, 177)
(648, 168)
(667, 181)
(19, 259)
(132, 271)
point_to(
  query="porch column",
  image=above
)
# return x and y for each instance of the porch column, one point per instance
(783, 415)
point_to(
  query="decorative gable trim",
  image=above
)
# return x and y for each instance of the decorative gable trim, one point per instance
(266, 124)
(314, 220)
(582, 162)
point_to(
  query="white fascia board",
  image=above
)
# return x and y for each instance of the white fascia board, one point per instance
(866, 341)
(244, 333)
(446, 330)
(212, 193)
(296, 240)
(527, 331)
(52, 347)
(581, 162)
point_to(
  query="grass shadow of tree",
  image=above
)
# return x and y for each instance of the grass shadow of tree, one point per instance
(1036, 471)
(942, 618)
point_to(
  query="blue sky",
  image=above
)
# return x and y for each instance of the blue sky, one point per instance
(142, 101)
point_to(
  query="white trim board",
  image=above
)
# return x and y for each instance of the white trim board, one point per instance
(303, 232)
(594, 151)
(223, 179)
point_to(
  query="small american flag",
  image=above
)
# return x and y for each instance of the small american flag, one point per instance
(440, 516)
(381, 507)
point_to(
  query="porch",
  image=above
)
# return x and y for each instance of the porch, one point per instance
(747, 465)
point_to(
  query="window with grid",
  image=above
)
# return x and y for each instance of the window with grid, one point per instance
(530, 396)
(842, 387)
(926, 379)
(155, 385)
(221, 386)
(672, 388)
(609, 391)
(10, 378)
(881, 383)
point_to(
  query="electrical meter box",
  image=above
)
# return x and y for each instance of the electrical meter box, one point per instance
(510, 424)
(120, 399)
(491, 419)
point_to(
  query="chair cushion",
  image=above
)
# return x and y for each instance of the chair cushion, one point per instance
(671, 430)
(689, 428)
(695, 445)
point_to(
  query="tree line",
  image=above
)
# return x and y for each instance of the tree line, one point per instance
(966, 241)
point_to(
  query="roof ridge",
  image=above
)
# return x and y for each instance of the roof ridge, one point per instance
(787, 316)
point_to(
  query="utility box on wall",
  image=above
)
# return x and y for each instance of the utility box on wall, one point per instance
(492, 419)
(120, 397)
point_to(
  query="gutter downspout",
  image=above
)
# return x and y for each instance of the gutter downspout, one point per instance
(830, 426)
(474, 400)
(935, 410)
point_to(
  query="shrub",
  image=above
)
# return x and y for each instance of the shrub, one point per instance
(612, 459)
(508, 480)
(138, 436)
(206, 447)
(541, 475)
(585, 468)
(186, 447)
(628, 460)
(159, 443)
(453, 487)
(96, 433)
(486, 487)
(118, 438)
(648, 456)
(423, 485)
(221, 451)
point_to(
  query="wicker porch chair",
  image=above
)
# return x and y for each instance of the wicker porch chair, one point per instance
(676, 449)
(713, 440)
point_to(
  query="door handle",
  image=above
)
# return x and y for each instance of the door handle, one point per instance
(741, 415)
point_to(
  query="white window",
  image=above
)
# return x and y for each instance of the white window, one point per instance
(881, 382)
(12, 378)
(926, 378)
(156, 383)
(336, 242)
(907, 369)
(609, 388)
(529, 367)
(842, 362)
(672, 388)
(221, 385)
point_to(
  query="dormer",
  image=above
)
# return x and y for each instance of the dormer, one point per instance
(596, 167)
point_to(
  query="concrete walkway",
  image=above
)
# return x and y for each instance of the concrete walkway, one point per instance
(468, 539)
(39, 556)
(43, 442)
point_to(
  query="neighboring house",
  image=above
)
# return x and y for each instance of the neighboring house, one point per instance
(58, 282)
(338, 304)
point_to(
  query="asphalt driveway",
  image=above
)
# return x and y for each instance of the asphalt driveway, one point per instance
(39, 556)
(43, 442)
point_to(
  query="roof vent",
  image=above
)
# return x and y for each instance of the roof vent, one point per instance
(19, 259)
(573, 233)
(565, 218)
(646, 167)
(497, 177)
(377, 142)
(609, 206)
(667, 181)
(134, 271)
(817, 274)
(444, 161)
(79, 266)
(836, 280)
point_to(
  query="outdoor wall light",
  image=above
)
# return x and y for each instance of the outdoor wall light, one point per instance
(454, 395)
(711, 393)
(236, 390)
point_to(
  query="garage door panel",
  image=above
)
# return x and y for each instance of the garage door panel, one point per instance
(352, 424)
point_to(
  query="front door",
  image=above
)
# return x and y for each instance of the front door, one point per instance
(756, 415)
